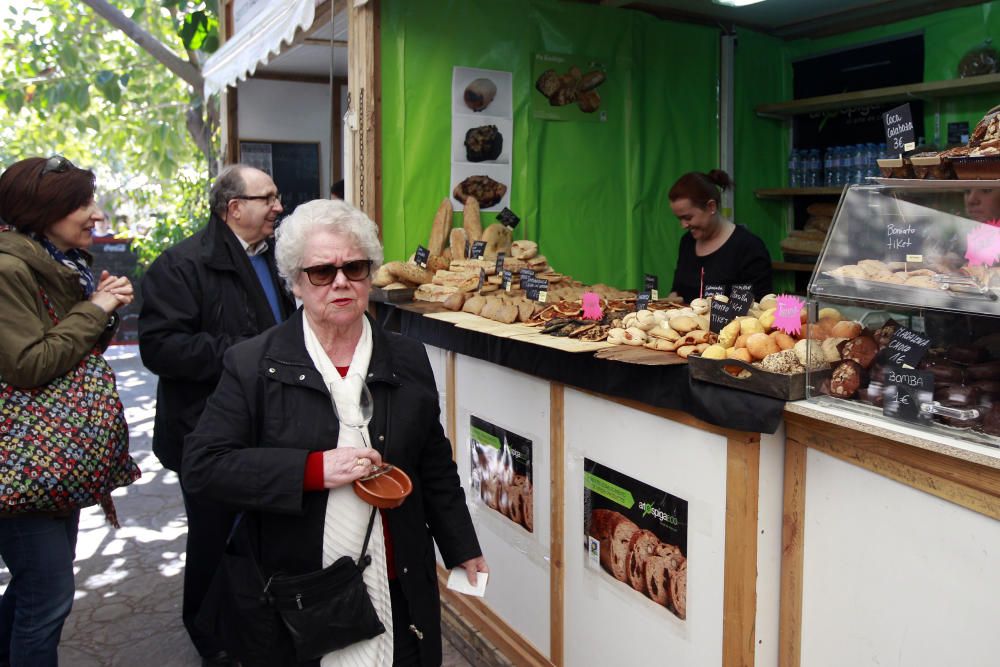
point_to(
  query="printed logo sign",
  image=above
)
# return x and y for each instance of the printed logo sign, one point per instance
(636, 535)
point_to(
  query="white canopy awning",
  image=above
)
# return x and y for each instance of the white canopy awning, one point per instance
(239, 57)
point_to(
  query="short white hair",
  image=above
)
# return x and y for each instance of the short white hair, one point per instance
(330, 215)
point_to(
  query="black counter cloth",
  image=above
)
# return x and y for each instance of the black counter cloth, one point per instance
(743, 258)
(658, 386)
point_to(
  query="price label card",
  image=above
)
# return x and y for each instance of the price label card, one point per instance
(712, 290)
(482, 279)
(525, 274)
(535, 289)
(500, 258)
(466, 255)
(903, 240)
(508, 279)
(720, 315)
(507, 218)
(898, 123)
(642, 301)
(906, 348)
(788, 315)
(421, 256)
(905, 391)
(741, 299)
(651, 284)
(477, 249)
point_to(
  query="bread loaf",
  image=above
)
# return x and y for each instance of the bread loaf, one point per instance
(434, 293)
(441, 226)
(656, 575)
(457, 240)
(644, 545)
(678, 590)
(474, 305)
(498, 239)
(471, 223)
(618, 549)
(410, 273)
(524, 249)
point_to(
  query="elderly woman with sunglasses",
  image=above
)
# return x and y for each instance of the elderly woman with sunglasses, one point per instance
(270, 443)
(48, 216)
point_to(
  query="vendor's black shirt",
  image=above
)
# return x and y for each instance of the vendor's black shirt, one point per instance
(741, 259)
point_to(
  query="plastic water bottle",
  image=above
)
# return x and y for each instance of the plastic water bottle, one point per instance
(838, 167)
(858, 173)
(829, 173)
(794, 169)
(870, 158)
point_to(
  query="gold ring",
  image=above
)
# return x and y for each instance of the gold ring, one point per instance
(362, 462)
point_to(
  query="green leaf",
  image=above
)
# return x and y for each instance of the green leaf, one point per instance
(80, 125)
(124, 79)
(80, 99)
(93, 123)
(68, 56)
(14, 101)
(104, 76)
(198, 26)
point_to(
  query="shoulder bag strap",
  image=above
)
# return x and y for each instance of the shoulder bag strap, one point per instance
(365, 560)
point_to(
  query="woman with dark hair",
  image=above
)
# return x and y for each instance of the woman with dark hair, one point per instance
(47, 214)
(714, 251)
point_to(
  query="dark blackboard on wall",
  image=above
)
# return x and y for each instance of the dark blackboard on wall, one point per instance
(293, 166)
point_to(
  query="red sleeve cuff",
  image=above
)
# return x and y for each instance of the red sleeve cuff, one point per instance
(314, 472)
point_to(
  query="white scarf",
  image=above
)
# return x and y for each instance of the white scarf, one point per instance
(347, 515)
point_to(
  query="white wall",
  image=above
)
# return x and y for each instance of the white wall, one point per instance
(287, 111)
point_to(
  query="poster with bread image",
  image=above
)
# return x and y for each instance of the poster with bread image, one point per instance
(482, 127)
(568, 88)
(637, 535)
(501, 472)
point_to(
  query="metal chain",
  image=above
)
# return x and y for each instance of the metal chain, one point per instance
(361, 150)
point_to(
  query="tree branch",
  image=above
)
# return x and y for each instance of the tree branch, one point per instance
(186, 71)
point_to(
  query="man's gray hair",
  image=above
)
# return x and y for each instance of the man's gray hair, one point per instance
(331, 215)
(228, 185)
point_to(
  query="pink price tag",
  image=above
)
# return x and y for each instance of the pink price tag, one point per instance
(982, 245)
(592, 306)
(788, 316)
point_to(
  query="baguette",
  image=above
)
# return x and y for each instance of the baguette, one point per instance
(442, 223)
(410, 273)
(471, 222)
(457, 240)
(434, 293)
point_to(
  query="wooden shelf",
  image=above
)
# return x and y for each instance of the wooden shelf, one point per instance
(972, 85)
(792, 266)
(785, 193)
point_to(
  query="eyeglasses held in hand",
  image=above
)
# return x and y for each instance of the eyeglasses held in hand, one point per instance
(270, 199)
(57, 164)
(324, 274)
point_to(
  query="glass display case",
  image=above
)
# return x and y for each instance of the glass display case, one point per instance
(905, 306)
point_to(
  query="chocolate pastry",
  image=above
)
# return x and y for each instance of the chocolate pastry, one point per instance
(987, 387)
(991, 422)
(483, 143)
(548, 83)
(966, 354)
(486, 191)
(989, 370)
(847, 378)
(884, 333)
(861, 349)
(957, 395)
(944, 373)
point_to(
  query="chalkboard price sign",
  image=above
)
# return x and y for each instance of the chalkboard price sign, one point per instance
(651, 284)
(906, 348)
(741, 299)
(905, 392)
(421, 256)
(642, 300)
(903, 241)
(712, 290)
(899, 136)
(500, 257)
(478, 247)
(535, 289)
(508, 279)
(526, 274)
(720, 315)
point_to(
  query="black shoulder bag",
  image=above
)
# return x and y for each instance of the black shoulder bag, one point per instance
(329, 609)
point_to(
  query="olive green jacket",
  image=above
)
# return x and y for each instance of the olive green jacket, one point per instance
(33, 351)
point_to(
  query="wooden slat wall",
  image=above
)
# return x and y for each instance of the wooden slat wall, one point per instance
(739, 596)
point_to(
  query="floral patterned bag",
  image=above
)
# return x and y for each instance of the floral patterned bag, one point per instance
(64, 445)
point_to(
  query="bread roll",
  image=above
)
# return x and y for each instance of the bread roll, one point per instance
(760, 345)
(524, 249)
(471, 223)
(846, 329)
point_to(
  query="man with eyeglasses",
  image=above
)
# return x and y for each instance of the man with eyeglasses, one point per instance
(200, 297)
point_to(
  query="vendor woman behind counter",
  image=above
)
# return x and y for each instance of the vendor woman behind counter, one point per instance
(714, 251)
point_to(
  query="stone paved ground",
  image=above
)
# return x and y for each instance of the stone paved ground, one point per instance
(128, 599)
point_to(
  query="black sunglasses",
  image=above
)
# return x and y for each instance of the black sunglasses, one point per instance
(270, 199)
(57, 164)
(324, 274)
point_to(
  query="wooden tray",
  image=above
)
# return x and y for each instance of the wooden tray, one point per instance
(563, 343)
(643, 356)
(422, 307)
(777, 385)
(493, 328)
(452, 317)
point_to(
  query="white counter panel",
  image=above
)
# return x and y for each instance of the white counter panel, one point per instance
(518, 589)
(893, 576)
(608, 623)
(439, 364)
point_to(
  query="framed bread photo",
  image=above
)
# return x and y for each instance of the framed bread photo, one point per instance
(636, 535)
(501, 472)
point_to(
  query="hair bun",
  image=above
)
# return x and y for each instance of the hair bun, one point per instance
(720, 178)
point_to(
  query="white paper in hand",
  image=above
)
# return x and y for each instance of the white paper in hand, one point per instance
(458, 581)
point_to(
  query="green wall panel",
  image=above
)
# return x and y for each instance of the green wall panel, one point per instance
(592, 194)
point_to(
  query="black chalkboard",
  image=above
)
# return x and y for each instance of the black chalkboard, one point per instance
(117, 258)
(293, 166)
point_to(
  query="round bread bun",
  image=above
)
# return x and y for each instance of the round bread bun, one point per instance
(760, 345)
(846, 329)
(683, 324)
(784, 341)
(741, 353)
